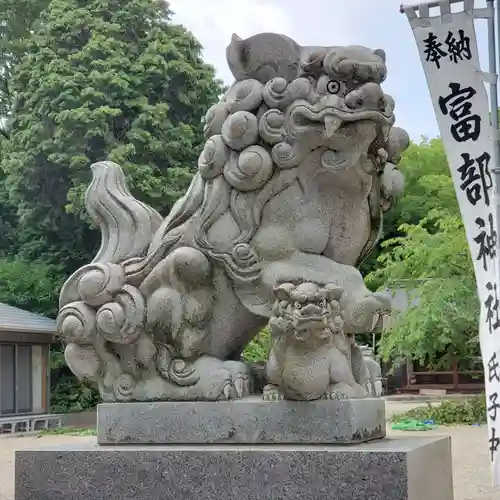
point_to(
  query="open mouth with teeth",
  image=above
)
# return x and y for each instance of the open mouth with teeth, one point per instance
(329, 119)
(311, 320)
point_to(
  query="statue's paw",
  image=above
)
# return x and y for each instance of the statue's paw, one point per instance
(218, 386)
(341, 390)
(335, 392)
(240, 376)
(367, 309)
(214, 385)
(378, 389)
(272, 393)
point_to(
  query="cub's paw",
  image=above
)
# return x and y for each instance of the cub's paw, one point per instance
(336, 393)
(272, 393)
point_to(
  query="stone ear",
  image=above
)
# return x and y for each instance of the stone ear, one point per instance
(263, 57)
(234, 54)
(237, 47)
(282, 292)
(380, 53)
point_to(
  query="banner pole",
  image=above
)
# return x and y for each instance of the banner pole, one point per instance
(493, 67)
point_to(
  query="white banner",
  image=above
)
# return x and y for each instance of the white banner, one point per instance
(448, 50)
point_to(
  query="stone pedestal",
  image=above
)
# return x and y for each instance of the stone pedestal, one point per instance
(246, 421)
(274, 463)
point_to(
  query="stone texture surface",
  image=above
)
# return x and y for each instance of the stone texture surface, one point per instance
(246, 421)
(392, 469)
(299, 164)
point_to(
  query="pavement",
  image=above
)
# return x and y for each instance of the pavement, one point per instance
(471, 468)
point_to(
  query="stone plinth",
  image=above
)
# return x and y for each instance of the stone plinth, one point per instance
(246, 421)
(244, 450)
(391, 469)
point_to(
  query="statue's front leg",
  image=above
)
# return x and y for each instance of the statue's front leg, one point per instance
(272, 391)
(343, 385)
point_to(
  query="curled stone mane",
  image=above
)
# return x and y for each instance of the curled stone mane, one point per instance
(298, 167)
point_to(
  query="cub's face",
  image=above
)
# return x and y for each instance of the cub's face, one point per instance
(312, 311)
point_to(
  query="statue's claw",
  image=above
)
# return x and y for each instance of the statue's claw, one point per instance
(229, 392)
(272, 393)
(240, 374)
(242, 386)
(335, 393)
(238, 385)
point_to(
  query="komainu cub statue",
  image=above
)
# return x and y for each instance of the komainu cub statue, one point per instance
(311, 355)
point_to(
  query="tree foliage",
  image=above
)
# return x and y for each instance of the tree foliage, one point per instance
(102, 79)
(430, 258)
(81, 82)
(258, 349)
(18, 19)
(426, 175)
(33, 286)
(433, 260)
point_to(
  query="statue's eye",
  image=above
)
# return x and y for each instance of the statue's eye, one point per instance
(297, 305)
(322, 303)
(333, 87)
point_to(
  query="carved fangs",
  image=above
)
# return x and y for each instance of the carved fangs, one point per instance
(332, 124)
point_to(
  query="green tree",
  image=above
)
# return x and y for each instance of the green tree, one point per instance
(68, 394)
(8, 217)
(432, 258)
(425, 168)
(422, 164)
(102, 79)
(18, 18)
(33, 286)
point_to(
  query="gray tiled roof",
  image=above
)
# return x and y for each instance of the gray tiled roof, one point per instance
(13, 319)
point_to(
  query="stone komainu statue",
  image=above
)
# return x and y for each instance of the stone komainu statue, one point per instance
(297, 170)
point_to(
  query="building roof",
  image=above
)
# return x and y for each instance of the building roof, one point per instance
(15, 320)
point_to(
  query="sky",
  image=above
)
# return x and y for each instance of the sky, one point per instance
(373, 23)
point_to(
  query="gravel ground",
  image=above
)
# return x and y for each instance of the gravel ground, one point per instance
(471, 468)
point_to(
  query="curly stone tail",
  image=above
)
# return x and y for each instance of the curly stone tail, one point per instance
(127, 225)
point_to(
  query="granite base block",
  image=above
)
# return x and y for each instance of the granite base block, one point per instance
(246, 421)
(391, 469)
